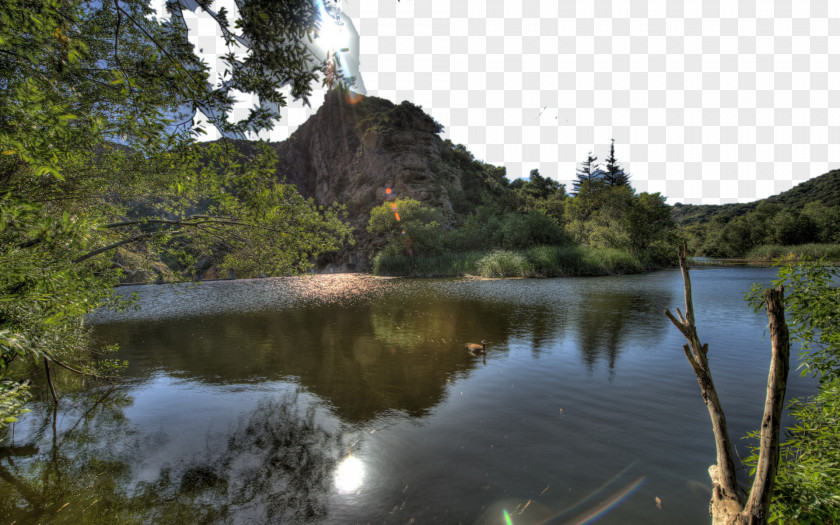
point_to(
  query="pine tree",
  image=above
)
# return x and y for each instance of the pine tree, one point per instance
(615, 175)
(586, 172)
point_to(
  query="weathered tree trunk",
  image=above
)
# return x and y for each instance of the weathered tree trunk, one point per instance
(726, 506)
(758, 505)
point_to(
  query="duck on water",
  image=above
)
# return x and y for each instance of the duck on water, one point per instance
(476, 348)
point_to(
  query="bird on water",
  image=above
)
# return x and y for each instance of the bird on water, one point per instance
(475, 348)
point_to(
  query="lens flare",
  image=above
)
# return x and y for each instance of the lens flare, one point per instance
(508, 521)
(612, 503)
(397, 215)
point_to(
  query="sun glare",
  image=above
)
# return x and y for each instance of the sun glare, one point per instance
(332, 36)
(349, 475)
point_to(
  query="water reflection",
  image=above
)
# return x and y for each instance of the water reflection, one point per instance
(276, 466)
(357, 402)
(605, 321)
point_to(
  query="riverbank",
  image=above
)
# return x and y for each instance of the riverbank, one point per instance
(769, 254)
(801, 252)
(542, 261)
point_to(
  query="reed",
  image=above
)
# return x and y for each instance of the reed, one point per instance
(542, 261)
(813, 251)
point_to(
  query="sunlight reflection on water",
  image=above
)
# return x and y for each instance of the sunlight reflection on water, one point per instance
(179, 300)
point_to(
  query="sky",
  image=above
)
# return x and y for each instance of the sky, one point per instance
(709, 102)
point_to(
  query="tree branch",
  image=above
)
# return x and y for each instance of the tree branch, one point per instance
(726, 500)
(97, 251)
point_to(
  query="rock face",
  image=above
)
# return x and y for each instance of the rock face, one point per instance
(351, 151)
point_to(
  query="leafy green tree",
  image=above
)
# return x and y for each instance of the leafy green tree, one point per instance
(826, 220)
(530, 229)
(651, 228)
(540, 194)
(792, 227)
(409, 227)
(97, 152)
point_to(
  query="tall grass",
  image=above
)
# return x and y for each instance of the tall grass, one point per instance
(503, 263)
(557, 261)
(768, 252)
(445, 264)
(542, 261)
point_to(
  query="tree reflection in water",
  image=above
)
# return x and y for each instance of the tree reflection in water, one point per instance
(276, 467)
(604, 321)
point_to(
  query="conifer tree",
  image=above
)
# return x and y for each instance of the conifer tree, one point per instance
(615, 175)
(587, 172)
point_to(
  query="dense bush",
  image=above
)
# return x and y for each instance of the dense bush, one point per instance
(503, 263)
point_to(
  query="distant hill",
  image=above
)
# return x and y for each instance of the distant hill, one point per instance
(825, 188)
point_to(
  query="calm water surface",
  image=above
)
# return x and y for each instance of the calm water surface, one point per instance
(351, 399)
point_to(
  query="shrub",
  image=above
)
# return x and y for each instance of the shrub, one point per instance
(501, 263)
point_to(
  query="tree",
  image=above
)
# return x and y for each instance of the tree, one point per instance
(615, 176)
(409, 227)
(586, 173)
(97, 101)
(727, 506)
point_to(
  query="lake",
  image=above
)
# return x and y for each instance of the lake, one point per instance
(351, 399)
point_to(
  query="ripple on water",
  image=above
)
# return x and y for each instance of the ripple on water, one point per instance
(182, 300)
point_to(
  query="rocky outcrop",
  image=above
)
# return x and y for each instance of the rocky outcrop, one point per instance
(351, 151)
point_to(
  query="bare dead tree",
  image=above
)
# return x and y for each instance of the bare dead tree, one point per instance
(727, 507)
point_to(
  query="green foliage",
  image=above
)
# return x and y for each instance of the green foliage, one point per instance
(444, 264)
(603, 216)
(503, 263)
(399, 117)
(481, 184)
(534, 228)
(97, 152)
(561, 261)
(409, 227)
(802, 252)
(613, 174)
(540, 194)
(13, 396)
(812, 308)
(808, 213)
(805, 489)
(540, 261)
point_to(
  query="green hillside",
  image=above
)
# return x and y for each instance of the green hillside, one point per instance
(808, 214)
(825, 189)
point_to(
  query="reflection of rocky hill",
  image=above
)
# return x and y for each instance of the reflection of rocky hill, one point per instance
(366, 360)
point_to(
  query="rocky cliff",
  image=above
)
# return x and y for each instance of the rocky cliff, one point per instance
(352, 150)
